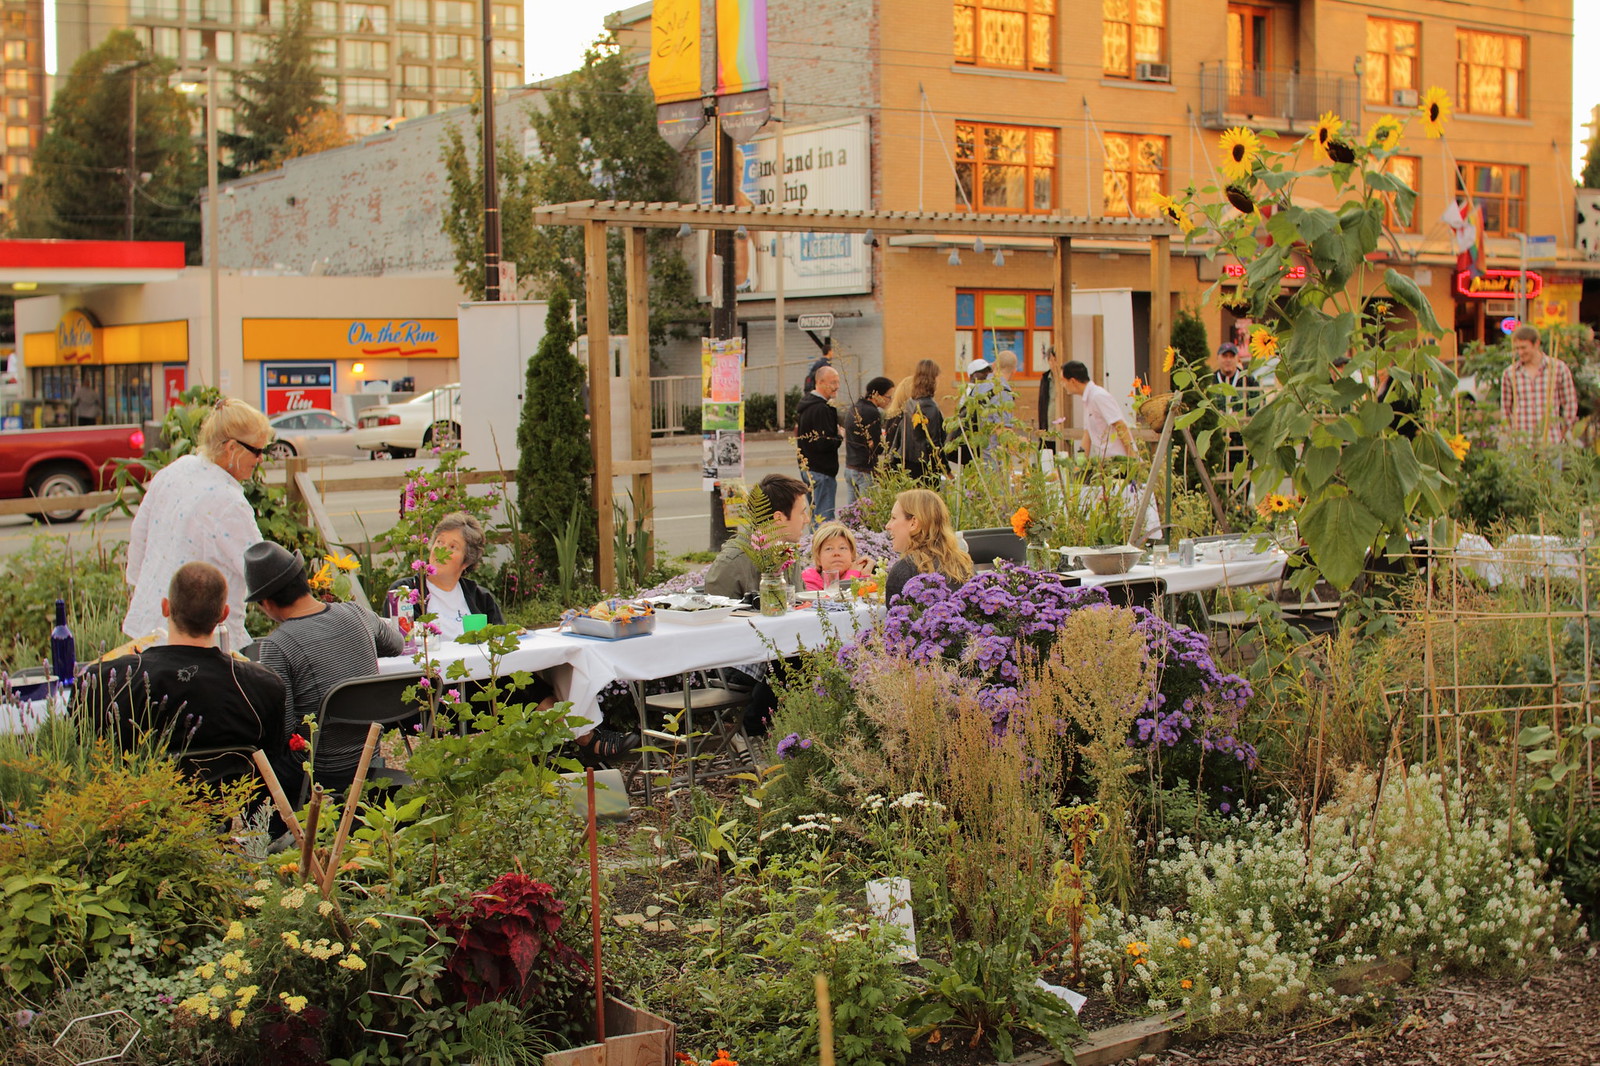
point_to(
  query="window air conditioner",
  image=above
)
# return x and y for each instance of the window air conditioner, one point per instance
(1403, 98)
(1153, 71)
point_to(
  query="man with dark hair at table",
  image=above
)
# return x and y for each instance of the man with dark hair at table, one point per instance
(317, 644)
(188, 689)
(733, 573)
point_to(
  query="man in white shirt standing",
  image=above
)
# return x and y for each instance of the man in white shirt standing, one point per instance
(1104, 419)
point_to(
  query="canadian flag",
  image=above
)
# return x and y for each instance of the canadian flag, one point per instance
(1465, 220)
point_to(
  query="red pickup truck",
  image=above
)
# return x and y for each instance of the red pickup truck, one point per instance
(67, 461)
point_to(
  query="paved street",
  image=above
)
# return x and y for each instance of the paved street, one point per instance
(682, 507)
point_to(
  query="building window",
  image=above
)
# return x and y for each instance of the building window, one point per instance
(218, 44)
(366, 55)
(17, 80)
(507, 17)
(1134, 31)
(156, 9)
(415, 11)
(322, 55)
(366, 92)
(1500, 190)
(225, 119)
(1392, 59)
(414, 78)
(16, 51)
(449, 46)
(366, 18)
(325, 14)
(165, 41)
(507, 79)
(990, 322)
(450, 79)
(1489, 70)
(1012, 34)
(17, 107)
(508, 52)
(1408, 168)
(216, 10)
(1135, 174)
(17, 137)
(452, 12)
(251, 48)
(19, 166)
(413, 108)
(414, 45)
(1005, 168)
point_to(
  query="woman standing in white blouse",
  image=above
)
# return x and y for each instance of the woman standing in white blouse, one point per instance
(194, 510)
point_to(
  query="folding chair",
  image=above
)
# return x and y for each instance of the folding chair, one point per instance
(717, 738)
(1137, 592)
(348, 709)
(987, 546)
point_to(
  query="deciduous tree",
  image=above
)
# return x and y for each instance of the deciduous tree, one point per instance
(280, 97)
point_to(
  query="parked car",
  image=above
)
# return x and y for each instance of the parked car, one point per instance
(401, 429)
(317, 433)
(64, 461)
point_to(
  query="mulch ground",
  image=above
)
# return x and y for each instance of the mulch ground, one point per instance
(1551, 1018)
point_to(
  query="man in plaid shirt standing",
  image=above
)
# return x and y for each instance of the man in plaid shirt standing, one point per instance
(1538, 400)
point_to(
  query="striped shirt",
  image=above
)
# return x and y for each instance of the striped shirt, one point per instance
(315, 652)
(1539, 402)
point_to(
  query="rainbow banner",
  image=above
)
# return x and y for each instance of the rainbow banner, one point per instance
(675, 50)
(741, 46)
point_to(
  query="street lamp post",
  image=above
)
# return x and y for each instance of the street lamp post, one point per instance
(212, 266)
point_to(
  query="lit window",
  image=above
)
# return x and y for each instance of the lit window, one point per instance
(413, 11)
(366, 55)
(1408, 168)
(449, 46)
(217, 10)
(366, 92)
(325, 14)
(989, 322)
(1392, 59)
(17, 107)
(16, 51)
(508, 52)
(17, 80)
(1135, 174)
(507, 16)
(413, 108)
(165, 41)
(1489, 75)
(251, 48)
(1005, 168)
(414, 45)
(1134, 31)
(366, 18)
(507, 79)
(17, 137)
(450, 78)
(415, 78)
(1500, 190)
(322, 55)
(452, 12)
(19, 165)
(1013, 34)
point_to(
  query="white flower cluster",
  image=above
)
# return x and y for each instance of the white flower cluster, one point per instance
(910, 801)
(807, 824)
(1275, 914)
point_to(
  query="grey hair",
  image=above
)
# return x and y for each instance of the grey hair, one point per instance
(471, 531)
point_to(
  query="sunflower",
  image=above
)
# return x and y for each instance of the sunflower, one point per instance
(323, 578)
(1240, 147)
(1340, 152)
(1384, 135)
(1263, 345)
(1435, 108)
(1170, 361)
(1459, 446)
(343, 562)
(1328, 127)
(1240, 198)
(1174, 212)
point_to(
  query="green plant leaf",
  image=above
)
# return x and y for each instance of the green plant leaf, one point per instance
(1381, 472)
(1338, 529)
(1407, 292)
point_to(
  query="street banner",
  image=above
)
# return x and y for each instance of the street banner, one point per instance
(722, 410)
(675, 50)
(741, 46)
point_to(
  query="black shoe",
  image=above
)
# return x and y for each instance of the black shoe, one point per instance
(606, 745)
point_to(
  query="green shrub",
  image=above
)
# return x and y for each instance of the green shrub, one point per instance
(554, 464)
(92, 583)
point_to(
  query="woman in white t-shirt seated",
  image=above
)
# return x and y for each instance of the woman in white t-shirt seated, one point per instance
(447, 593)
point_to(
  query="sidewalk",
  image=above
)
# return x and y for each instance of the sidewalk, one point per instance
(681, 454)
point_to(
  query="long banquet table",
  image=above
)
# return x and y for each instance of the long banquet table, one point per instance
(580, 667)
(1253, 568)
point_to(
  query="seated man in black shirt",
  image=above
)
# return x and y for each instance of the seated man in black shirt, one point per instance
(191, 692)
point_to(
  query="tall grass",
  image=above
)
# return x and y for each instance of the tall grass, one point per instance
(90, 580)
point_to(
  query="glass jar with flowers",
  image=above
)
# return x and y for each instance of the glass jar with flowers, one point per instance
(763, 541)
(1025, 527)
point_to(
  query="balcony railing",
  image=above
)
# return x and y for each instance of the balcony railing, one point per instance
(1284, 97)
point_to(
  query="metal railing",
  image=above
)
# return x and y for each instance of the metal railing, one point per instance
(669, 397)
(1268, 95)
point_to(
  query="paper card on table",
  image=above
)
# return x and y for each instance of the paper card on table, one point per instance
(1073, 999)
(889, 900)
(471, 623)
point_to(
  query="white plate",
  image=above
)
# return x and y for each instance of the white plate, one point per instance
(703, 617)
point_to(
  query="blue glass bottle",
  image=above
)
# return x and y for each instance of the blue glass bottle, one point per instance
(63, 647)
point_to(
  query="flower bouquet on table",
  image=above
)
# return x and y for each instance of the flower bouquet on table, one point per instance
(1277, 513)
(761, 537)
(612, 620)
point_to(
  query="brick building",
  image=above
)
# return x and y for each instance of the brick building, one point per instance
(22, 59)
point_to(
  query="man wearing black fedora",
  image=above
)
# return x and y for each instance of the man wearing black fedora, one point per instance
(317, 644)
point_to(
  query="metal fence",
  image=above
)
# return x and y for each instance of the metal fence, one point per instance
(1272, 94)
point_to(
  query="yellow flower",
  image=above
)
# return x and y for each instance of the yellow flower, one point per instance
(343, 562)
(235, 1017)
(1385, 133)
(325, 908)
(292, 939)
(1240, 147)
(918, 418)
(1170, 361)
(353, 962)
(1138, 947)
(1460, 446)
(235, 931)
(1328, 127)
(1019, 522)
(255, 902)
(283, 868)
(219, 991)
(206, 971)
(323, 578)
(1263, 345)
(1185, 942)
(1435, 108)
(1175, 212)
(246, 994)
(372, 923)
(296, 1004)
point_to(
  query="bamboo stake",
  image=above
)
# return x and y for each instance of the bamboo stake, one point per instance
(308, 844)
(824, 1020)
(1136, 530)
(1205, 480)
(279, 799)
(594, 919)
(351, 802)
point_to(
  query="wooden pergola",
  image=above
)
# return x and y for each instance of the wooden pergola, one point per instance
(633, 218)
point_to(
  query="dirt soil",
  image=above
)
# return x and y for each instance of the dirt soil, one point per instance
(1549, 1019)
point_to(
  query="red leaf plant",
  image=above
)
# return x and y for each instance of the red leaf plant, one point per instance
(507, 944)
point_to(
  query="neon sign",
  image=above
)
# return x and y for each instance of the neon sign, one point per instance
(1238, 270)
(1498, 284)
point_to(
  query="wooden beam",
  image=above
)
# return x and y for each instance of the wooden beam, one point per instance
(598, 308)
(637, 272)
(38, 504)
(1061, 302)
(1160, 311)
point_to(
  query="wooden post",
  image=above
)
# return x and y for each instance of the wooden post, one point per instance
(598, 306)
(1061, 303)
(1160, 311)
(638, 278)
(293, 467)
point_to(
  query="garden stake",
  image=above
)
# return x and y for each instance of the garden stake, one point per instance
(594, 915)
(1136, 530)
(824, 1020)
(308, 846)
(279, 800)
(342, 837)
(1205, 480)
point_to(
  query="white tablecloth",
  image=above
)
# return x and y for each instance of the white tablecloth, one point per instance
(1251, 569)
(580, 667)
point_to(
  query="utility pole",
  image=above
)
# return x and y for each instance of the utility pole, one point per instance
(724, 292)
(491, 185)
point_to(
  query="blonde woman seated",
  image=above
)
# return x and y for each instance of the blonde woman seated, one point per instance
(919, 526)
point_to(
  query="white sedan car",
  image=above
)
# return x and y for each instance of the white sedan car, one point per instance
(316, 433)
(401, 429)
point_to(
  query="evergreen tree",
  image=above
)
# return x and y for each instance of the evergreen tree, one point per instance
(1189, 338)
(79, 187)
(277, 97)
(554, 465)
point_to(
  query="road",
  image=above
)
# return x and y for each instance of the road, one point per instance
(682, 507)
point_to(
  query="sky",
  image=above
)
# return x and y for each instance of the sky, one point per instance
(559, 30)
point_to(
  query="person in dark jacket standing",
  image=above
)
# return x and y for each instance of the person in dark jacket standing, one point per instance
(1047, 398)
(863, 437)
(817, 438)
(914, 432)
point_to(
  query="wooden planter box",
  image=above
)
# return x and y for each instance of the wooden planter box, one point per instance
(634, 1037)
